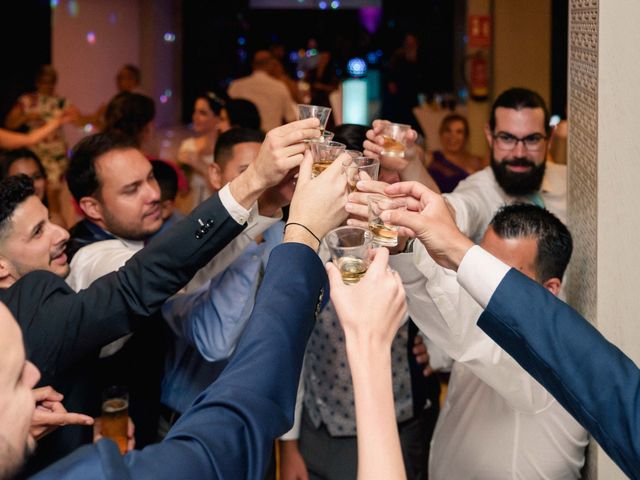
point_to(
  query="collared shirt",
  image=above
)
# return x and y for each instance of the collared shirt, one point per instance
(477, 198)
(217, 315)
(270, 96)
(497, 422)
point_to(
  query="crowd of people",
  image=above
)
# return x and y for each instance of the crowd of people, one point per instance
(229, 330)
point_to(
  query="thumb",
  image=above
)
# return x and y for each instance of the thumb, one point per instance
(304, 176)
(335, 278)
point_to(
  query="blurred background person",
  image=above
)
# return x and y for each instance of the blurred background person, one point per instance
(239, 113)
(270, 95)
(128, 79)
(24, 161)
(196, 153)
(33, 110)
(405, 80)
(131, 115)
(454, 162)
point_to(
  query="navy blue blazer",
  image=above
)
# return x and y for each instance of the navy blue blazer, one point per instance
(229, 430)
(592, 379)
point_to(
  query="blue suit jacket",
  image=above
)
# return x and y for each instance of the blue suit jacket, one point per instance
(228, 432)
(588, 375)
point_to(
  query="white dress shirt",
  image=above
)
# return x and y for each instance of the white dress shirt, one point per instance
(478, 197)
(270, 96)
(497, 421)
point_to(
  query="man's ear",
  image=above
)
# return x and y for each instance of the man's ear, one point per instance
(215, 176)
(167, 206)
(553, 285)
(7, 276)
(552, 133)
(91, 208)
(488, 134)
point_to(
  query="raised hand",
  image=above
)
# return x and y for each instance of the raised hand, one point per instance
(50, 414)
(318, 203)
(428, 218)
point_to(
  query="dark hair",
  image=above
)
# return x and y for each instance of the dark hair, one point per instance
(134, 71)
(81, 174)
(13, 191)
(352, 135)
(46, 70)
(231, 138)
(243, 113)
(128, 113)
(167, 179)
(455, 117)
(216, 103)
(517, 99)
(9, 157)
(552, 236)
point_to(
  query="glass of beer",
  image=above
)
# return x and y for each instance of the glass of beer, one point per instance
(384, 234)
(115, 416)
(394, 136)
(315, 111)
(324, 153)
(350, 249)
(360, 168)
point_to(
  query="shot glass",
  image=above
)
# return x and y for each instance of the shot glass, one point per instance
(350, 249)
(327, 136)
(315, 111)
(324, 153)
(354, 153)
(384, 234)
(360, 168)
(115, 416)
(394, 135)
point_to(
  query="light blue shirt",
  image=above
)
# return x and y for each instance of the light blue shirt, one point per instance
(208, 323)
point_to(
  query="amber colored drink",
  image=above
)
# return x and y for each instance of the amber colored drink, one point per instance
(392, 147)
(115, 419)
(319, 167)
(352, 269)
(383, 234)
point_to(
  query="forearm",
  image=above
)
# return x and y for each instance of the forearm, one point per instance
(247, 188)
(379, 453)
(12, 140)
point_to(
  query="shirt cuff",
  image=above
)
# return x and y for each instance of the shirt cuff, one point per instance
(236, 211)
(480, 273)
(258, 224)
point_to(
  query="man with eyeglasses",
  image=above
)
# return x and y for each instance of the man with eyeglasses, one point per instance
(518, 134)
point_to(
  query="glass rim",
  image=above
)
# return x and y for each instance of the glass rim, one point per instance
(308, 105)
(368, 236)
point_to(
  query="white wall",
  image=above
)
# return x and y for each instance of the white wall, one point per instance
(126, 31)
(87, 70)
(618, 309)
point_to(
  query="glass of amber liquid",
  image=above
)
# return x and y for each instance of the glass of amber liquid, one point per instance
(324, 153)
(360, 168)
(115, 416)
(350, 249)
(384, 234)
(394, 136)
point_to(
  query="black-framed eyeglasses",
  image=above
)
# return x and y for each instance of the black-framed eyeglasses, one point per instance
(532, 143)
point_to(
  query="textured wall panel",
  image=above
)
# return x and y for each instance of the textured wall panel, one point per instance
(583, 139)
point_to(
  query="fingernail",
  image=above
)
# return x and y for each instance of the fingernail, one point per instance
(349, 208)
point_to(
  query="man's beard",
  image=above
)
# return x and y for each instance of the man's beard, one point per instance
(518, 183)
